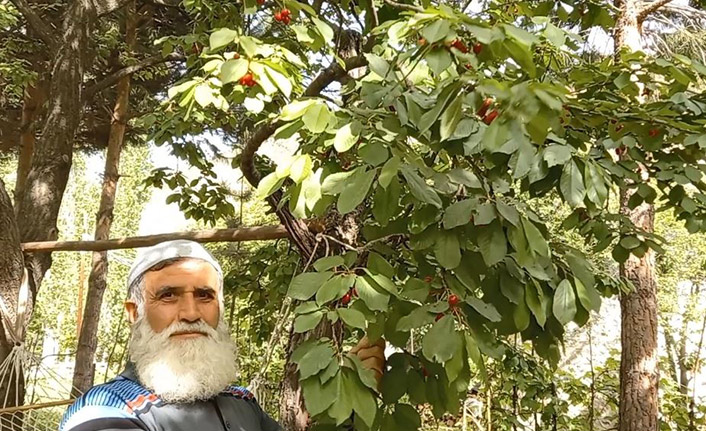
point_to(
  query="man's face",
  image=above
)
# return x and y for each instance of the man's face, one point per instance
(185, 291)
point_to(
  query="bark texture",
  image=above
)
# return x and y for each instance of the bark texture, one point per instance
(87, 342)
(639, 372)
(34, 97)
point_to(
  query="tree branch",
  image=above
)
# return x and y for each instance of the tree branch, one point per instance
(105, 7)
(36, 23)
(113, 78)
(404, 6)
(650, 8)
(330, 74)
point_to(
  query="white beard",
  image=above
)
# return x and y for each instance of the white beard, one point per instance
(183, 371)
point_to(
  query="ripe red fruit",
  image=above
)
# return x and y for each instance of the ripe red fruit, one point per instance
(484, 107)
(260, 2)
(425, 373)
(247, 80)
(454, 300)
(278, 16)
(346, 299)
(428, 278)
(492, 115)
(477, 48)
(236, 56)
(422, 41)
(653, 133)
(286, 20)
(458, 44)
(439, 317)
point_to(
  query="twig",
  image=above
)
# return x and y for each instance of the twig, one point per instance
(349, 247)
(36, 22)
(649, 8)
(404, 6)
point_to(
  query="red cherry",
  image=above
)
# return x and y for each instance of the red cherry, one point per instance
(458, 44)
(454, 300)
(653, 133)
(439, 317)
(260, 2)
(425, 373)
(286, 12)
(422, 41)
(246, 79)
(469, 66)
(484, 107)
(236, 56)
(346, 299)
(278, 16)
(428, 278)
(477, 48)
(286, 20)
(492, 115)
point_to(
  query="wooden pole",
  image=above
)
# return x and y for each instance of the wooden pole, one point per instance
(259, 233)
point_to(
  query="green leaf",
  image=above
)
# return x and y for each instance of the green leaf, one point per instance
(268, 185)
(564, 306)
(300, 168)
(429, 118)
(307, 322)
(328, 262)
(296, 109)
(389, 171)
(508, 212)
(317, 397)
(281, 81)
(303, 286)
(420, 189)
(485, 214)
(352, 317)
(630, 242)
(335, 183)
(464, 177)
(315, 359)
(324, 29)
(362, 399)
(571, 184)
(415, 289)
(373, 298)
(534, 296)
(233, 70)
(492, 243)
(355, 192)
(345, 138)
(442, 340)
(342, 407)
(393, 385)
(447, 250)
(386, 202)
(484, 309)
(459, 213)
(317, 117)
(535, 239)
(334, 288)
(556, 154)
(378, 65)
(406, 418)
(221, 38)
(438, 60)
(203, 95)
(450, 118)
(588, 296)
(436, 31)
(416, 319)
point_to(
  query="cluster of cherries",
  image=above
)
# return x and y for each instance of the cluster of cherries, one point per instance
(488, 117)
(283, 16)
(247, 80)
(348, 296)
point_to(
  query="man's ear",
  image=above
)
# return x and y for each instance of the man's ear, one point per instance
(131, 309)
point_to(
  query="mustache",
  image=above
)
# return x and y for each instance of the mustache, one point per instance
(180, 327)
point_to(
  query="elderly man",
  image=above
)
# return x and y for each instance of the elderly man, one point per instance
(182, 359)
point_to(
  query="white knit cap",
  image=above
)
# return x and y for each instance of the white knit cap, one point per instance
(149, 257)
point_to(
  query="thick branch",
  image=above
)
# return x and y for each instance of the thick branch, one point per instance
(36, 23)
(330, 74)
(214, 235)
(650, 8)
(404, 6)
(105, 7)
(113, 78)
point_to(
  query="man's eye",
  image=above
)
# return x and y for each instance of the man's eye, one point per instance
(205, 295)
(167, 295)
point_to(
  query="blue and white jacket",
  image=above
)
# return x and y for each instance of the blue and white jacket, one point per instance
(124, 404)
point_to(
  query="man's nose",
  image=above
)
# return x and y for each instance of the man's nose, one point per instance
(189, 311)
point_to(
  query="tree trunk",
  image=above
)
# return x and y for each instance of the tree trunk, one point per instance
(38, 205)
(87, 342)
(34, 97)
(639, 371)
